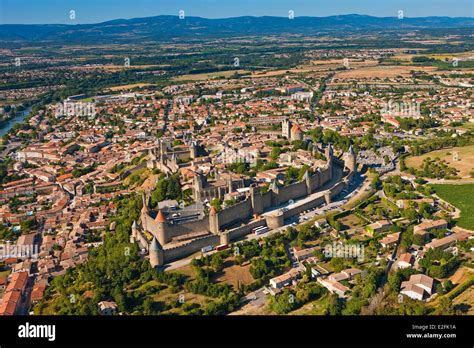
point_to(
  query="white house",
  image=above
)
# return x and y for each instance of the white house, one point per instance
(419, 287)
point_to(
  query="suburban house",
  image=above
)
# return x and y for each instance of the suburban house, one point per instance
(390, 239)
(448, 241)
(430, 225)
(405, 260)
(378, 227)
(318, 271)
(419, 287)
(107, 307)
(303, 254)
(334, 286)
(346, 274)
(285, 279)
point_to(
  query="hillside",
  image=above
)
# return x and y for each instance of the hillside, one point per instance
(160, 28)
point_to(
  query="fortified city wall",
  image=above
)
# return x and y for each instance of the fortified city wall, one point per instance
(236, 221)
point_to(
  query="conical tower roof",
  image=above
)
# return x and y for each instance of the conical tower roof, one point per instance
(155, 245)
(296, 128)
(160, 217)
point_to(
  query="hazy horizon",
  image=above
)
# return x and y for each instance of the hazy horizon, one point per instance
(90, 11)
(151, 16)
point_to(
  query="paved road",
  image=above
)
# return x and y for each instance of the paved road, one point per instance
(183, 262)
(9, 148)
(450, 182)
(377, 298)
(257, 298)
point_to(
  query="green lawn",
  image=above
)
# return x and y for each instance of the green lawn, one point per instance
(462, 197)
(4, 273)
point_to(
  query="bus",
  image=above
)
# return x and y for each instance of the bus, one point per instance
(207, 249)
(222, 247)
(260, 230)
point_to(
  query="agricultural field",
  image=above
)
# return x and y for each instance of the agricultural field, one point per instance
(464, 163)
(129, 86)
(209, 76)
(461, 196)
(381, 72)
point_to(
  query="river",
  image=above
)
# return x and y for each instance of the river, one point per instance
(18, 118)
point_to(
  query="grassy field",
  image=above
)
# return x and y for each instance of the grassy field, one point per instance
(465, 162)
(233, 274)
(462, 197)
(316, 307)
(4, 274)
(352, 222)
(466, 299)
(468, 125)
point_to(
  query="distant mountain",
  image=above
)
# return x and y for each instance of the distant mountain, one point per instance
(167, 27)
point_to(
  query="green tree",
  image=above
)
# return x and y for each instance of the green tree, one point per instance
(333, 306)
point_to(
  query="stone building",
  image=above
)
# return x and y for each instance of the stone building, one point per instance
(350, 160)
(222, 184)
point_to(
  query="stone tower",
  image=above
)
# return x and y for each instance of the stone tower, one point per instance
(173, 163)
(224, 238)
(152, 159)
(256, 198)
(213, 221)
(296, 133)
(162, 151)
(161, 232)
(350, 160)
(275, 189)
(275, 220)
(133, 235)
(145, 212)
(307, 179)
(156, 253)
(193, 149)
(230, 186)
(317, 177)
(328, 152)
(198, 183)
(286, 128)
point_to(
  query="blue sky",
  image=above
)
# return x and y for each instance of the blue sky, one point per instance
(93, 11)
